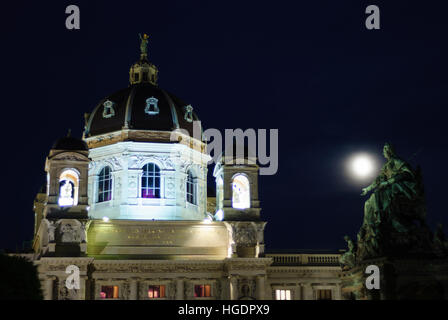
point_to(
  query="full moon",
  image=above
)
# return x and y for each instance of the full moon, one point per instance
(362, 166)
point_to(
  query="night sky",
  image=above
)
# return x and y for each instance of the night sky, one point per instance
(308, 68)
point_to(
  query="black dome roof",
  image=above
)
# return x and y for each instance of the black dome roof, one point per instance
(129, 106)
(70, 143)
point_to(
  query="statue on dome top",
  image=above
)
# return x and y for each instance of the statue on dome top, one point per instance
(144, 43)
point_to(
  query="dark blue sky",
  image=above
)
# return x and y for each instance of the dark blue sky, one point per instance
(309, 68)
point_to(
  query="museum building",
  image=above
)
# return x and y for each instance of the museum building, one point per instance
(128, 206)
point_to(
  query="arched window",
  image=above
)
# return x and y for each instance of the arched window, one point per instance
(68, 188)
(151, 181)
(191, 188)
(240, 192)
(105, 185)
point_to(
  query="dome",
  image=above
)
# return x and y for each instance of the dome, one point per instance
(141, 106)
(70, 143)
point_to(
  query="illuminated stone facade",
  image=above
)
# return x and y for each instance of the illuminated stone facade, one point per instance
(128, 206)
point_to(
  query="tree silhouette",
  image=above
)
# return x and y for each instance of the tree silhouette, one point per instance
(18, 279)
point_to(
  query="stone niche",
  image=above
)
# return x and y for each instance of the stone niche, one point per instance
(157, 239)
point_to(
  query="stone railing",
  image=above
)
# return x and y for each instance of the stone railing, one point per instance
(301, 259)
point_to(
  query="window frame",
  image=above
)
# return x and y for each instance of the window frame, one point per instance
(99, 180)
(191, 183)
(204, 285)
(324, 290)
(162, 289)
(156, 174)
(278, 293)
(113, 286)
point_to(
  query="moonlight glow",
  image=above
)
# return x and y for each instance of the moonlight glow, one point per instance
(362, 166)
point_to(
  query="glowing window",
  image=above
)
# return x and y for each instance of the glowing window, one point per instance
(151, 181)
(68, 188)
(324, 294)
(191, 188)
(109, 292)
(155, 292)
(152, 107)
(240, 192)
(105, 185)
(282, 294)
(202, 290)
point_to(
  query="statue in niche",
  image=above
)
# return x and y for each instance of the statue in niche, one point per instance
(66, 193)
(395, 213)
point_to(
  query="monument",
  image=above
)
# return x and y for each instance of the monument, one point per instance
(395, 237)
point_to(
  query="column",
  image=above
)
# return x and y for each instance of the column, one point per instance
(298, 292)
(48, 294)
(337, 292)
(133, 289)
(83, 282)
(179, 289)
(307, 292)
(260, 287)
(233, 288)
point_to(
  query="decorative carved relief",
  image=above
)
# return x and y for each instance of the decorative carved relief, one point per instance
(70, 156)
(188, 113)
(51, 231)
(217, 289)
(116, 163)
(69, 233)
(171, 290)
(170, 187)
(125, 290)
(108, 111)
(245, 234)
(152, 107)
(188, 290)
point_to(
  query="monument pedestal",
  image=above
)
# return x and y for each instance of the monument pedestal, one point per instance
(400, 279)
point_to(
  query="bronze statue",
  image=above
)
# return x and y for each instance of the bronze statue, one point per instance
(394, 214)
(396, 184)
(144, 43)
(348, 259)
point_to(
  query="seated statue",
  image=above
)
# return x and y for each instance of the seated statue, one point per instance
(397, 195)
(395, 212)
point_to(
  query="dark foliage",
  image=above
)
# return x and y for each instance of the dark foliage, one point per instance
(18, 279)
